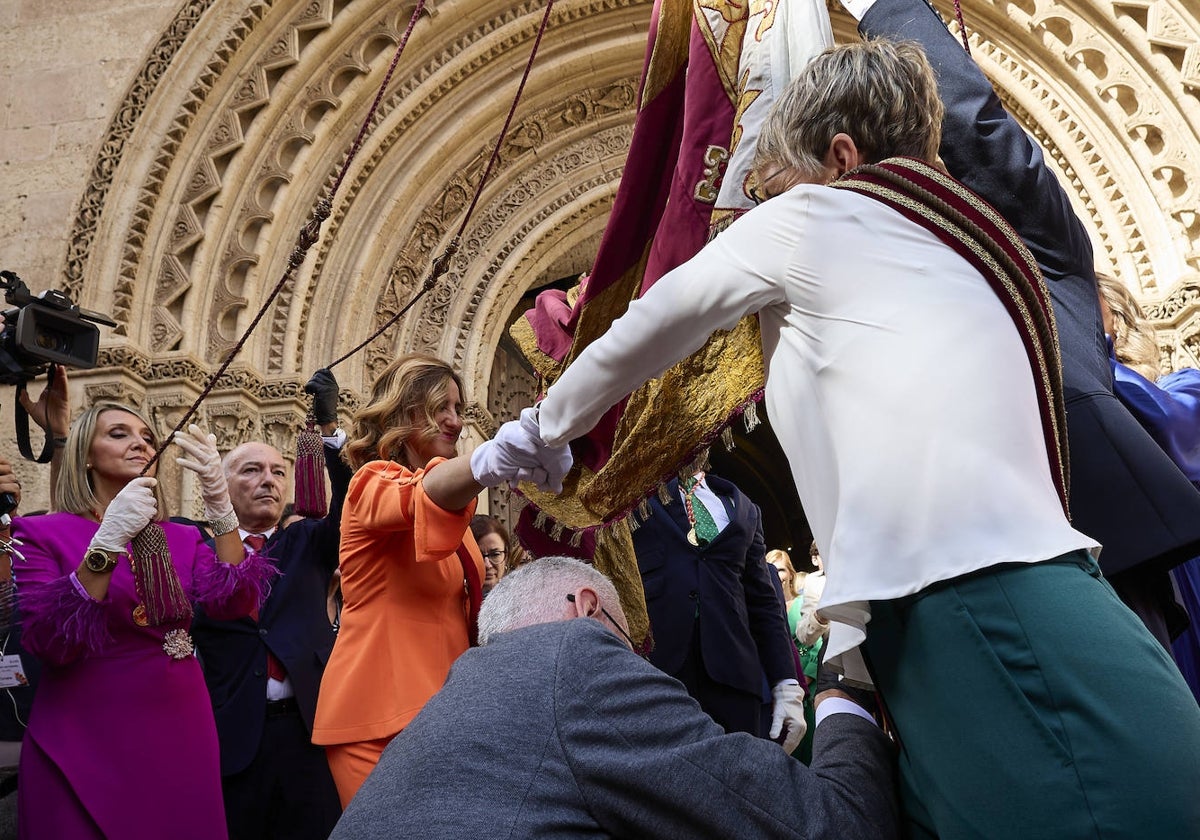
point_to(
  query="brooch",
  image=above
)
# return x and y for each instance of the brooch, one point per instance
(178, 644)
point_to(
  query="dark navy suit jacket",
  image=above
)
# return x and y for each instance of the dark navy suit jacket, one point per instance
(742, 630)
(293, 624)
(1125, 493)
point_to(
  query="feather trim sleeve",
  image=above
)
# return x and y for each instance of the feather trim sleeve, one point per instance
(227, 591)
(60, 622)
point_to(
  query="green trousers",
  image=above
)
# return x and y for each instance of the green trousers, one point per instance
(1031, 703)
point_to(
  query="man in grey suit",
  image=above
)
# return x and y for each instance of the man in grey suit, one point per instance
(556, 728)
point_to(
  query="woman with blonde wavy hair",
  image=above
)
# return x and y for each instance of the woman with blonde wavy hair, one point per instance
(411, 571)
(1125, 323)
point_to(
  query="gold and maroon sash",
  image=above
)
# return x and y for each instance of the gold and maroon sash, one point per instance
(965, 222)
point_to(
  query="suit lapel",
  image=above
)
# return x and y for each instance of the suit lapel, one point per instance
(673, 511)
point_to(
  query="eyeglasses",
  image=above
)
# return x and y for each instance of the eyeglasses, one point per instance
(495, 555)
(614, 623)
(756, 192)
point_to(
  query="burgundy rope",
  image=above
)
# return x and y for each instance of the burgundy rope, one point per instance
(442, 262)
(962, 26)
(308, 235)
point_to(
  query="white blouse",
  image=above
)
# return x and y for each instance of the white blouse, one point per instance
(897, 385)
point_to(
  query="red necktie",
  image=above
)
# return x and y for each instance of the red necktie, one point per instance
(275, 669)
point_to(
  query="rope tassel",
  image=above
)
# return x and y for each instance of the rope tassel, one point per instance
(310, 471)
(155, 579)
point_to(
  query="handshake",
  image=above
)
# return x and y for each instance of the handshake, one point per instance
(517, 454)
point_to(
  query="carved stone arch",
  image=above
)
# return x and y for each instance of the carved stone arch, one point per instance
(393, 224)
(241, 113)
(1110, 90)
(1113, 100)
(243, 148)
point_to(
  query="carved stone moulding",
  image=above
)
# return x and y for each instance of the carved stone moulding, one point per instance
(1176, 320)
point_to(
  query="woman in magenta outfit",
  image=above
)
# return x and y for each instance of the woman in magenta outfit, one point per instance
(121, 740)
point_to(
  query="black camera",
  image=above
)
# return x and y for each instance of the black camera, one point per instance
(44, 330)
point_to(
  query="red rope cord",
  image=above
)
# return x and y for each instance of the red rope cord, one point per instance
(962, 26)
(308, 235)
(442, 262)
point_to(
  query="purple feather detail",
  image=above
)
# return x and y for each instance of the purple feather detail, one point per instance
(57, 616)
(233, 591)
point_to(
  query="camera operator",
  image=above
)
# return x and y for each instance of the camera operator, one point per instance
(52, 412)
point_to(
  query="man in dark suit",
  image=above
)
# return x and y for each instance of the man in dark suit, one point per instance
(554, 728)
(263, 671)
(715, 615)
(1125, 492)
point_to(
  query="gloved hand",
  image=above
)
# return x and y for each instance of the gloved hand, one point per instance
(789, 709)
(128, 513)
(324, 389)
(205, 461)
(517, 454)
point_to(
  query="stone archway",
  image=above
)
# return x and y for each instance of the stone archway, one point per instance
(242, 112)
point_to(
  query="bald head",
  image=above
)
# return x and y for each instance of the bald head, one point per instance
(257, 477)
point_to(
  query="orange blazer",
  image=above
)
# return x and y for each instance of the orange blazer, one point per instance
(404, 611)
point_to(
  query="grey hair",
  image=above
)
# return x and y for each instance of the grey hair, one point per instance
(536, 593)
(883, 94)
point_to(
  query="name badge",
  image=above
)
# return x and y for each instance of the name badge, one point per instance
(12, 673)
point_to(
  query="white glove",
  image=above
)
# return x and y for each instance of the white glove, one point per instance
(789, 709)
(517, 454)
(205, 461)
(127, 514)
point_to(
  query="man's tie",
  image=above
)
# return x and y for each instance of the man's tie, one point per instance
(704, 528)
(275, 669)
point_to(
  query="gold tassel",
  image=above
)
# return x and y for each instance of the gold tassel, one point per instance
(727, 438)
(615, 558)
(751, 417)
(576, 539)
(539, 521)
(155, 579)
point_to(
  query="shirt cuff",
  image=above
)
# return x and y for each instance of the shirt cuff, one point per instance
(79, 587)
(857, 8)
(335, 440)
(840, 705)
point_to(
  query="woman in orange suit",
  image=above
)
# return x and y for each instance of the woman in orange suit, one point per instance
(410, 568)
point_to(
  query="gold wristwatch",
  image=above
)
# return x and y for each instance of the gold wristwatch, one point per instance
(100, 561)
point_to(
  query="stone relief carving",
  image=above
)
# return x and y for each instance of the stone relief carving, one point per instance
(511, 388)
(1136, 63)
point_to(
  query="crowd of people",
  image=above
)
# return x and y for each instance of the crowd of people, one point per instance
(955, 664)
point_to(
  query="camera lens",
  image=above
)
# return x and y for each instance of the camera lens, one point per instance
(55, 341)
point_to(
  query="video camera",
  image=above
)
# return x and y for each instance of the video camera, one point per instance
(44, 330)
